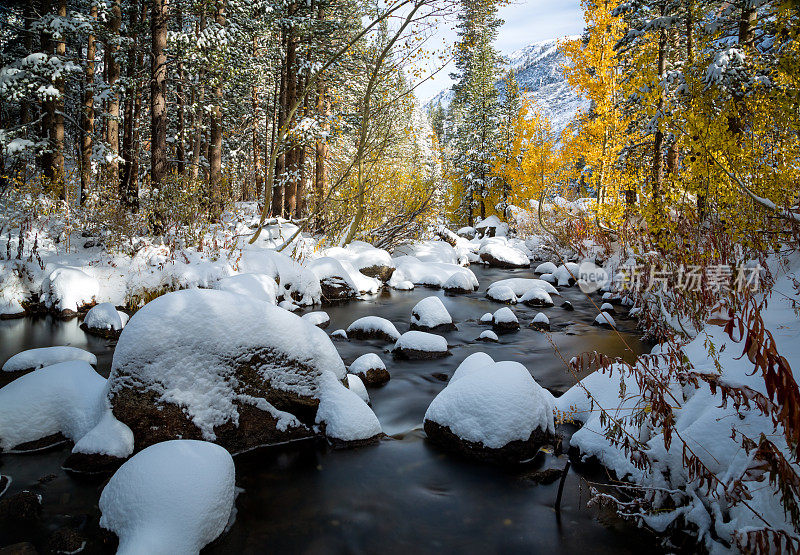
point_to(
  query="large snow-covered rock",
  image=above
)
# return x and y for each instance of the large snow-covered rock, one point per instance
(318, 318)
(501, 294)
(492, 227)
(356, 385)
(420, 345)
(503, 256)
(431, 274)
(256, 286)
(104, 320)
(536, 296)
(336, 282)
(493, 411)
(430, 314)
(67, 291)
(371, 369)
(458, 283)
(546, 268)
(373, 327)
(213, 365)
(172, 498)
(296, 282)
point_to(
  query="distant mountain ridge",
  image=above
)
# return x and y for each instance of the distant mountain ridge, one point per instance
(537, 68)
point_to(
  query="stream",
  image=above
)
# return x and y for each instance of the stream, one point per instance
(403, 494)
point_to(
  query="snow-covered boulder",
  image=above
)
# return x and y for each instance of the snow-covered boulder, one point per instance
(104, 320)
(174, 497)
(13, 292)
(505, 321)
(607, 307)
(371, 369)
(255, 286)
(344, 417)
(520, 286)
(213, 365)
(68, 291)
(567, 274)
(503, 256)
(491, 227)
(430, 314)
(486, 318)
(466, 232)
(536, 296)
(568, 306)
(604, 320)
(488, 335)
(458, 283)
(373, 327)
(336, 282)
(501, 294)
(318, 318)
(429, 251)
(541, 322)
(339, 335)
(420, 345)
(357, 386)
(33, 359)
(492, 411)
(546, 268)
(288, 306)
(297, 283)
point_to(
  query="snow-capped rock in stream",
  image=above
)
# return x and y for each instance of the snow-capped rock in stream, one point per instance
(430, 314)
(318, 318)
(546, 268)
(33, 359)
(458, 283)
(501, 294)
(491, 410)
(499, 255)
(371, 369)
(346, 418)
(206, 364)
(504, 320)
(357, 386)
(488, 335)
(541, 322)
(605, 320)
(174, 498)
(420, 345)
(373, 327)
(63, 400)
(104, 320)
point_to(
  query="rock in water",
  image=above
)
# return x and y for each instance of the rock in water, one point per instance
(373, 327)
(491, 411)
(505, 321)
(503, 256)
(318, 318)
(173, 497)
(430, 314)
(420, 345)
(371, 369)
(67, 291)
(205, 364)
(104, 320)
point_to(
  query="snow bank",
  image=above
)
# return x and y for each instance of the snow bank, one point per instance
(46, 356)
(255, 286)
(365, 258)
(174, 497)
(428, 251)
(68, 289)
(296, 281)
(492, 404)
(368, 327)
(432, 274)
(429, 314)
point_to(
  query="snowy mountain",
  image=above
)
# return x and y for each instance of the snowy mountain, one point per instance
(538, 71)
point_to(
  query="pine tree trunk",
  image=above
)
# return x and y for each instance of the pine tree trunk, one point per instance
(198, 117)
(133, 101)
(112, 121)
(259, 179)
(158, 101)
(180, 149)
(280, 162)
(58, 119)
(321, 151)
(290, 195)
(88, 111)
(215, 148)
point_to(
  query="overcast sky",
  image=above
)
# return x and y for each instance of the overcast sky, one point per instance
(524, 22)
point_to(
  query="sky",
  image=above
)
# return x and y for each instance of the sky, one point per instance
(525, 22)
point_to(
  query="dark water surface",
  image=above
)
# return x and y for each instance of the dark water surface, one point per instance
(402, 495)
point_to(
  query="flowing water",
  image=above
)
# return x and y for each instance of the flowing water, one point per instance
(398, 496)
